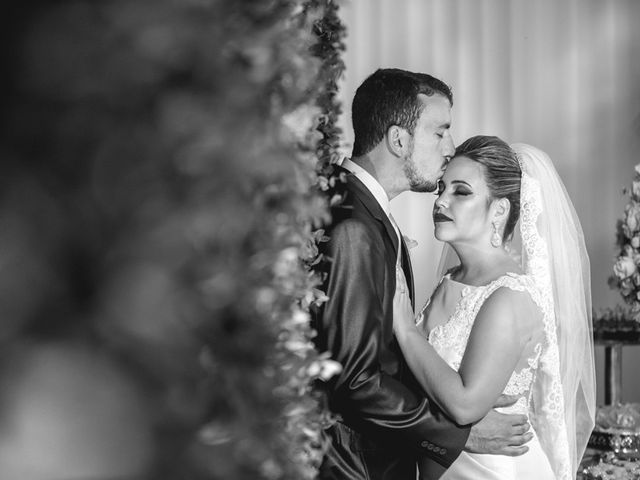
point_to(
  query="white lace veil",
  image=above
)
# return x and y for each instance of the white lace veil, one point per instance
(549, 244)
(554, 253)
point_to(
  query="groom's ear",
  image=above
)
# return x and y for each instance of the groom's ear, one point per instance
(397, 140)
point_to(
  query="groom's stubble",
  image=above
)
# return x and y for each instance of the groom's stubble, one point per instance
(417, 181)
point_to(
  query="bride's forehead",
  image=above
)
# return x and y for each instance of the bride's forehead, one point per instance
(463, 168)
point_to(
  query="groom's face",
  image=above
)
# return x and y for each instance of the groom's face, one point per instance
(431, 144)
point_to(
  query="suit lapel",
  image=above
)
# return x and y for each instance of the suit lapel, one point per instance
(374, 208)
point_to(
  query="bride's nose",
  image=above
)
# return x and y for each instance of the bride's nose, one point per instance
(440, 202)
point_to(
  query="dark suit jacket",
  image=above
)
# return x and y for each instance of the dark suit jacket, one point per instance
(386, 421)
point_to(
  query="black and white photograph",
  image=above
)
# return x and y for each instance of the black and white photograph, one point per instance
(320, 240)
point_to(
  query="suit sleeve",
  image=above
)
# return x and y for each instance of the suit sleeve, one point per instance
(351, 327)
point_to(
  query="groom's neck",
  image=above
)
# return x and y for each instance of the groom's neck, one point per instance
(387, 172)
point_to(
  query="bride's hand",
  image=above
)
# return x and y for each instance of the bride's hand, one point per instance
(403, 317)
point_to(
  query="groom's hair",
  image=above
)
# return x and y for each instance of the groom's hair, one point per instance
(390, 97)
(501, 172)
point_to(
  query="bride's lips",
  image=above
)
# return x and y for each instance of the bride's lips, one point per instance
(440, 217)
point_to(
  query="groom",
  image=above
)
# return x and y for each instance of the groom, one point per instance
(402, 142)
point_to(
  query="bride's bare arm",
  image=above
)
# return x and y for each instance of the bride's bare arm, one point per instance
(495, 345)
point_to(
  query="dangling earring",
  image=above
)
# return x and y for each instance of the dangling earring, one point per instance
(496, 239)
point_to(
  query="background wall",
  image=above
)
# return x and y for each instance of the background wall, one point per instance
(563, 75)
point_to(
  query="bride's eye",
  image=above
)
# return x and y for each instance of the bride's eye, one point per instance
(462, 191)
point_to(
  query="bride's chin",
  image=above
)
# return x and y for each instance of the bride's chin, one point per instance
(440, 233)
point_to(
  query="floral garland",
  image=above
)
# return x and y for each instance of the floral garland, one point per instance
(161, 174)
(626, 269)
(331, 33)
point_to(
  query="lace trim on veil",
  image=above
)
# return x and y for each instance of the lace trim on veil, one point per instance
(549, 417)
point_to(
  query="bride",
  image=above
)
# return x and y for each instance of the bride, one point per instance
(514, 316)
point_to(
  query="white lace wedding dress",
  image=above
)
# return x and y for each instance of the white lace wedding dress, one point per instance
(460, 303)
(555, 375)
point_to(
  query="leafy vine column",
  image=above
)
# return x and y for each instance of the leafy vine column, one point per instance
(160, 209)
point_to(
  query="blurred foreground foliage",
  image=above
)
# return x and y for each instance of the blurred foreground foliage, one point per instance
(160, 205)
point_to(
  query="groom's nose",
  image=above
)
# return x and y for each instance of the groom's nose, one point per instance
(449, 148)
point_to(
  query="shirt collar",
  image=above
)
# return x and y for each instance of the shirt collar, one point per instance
(371, 183)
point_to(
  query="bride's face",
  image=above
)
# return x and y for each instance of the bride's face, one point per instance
(462, 213)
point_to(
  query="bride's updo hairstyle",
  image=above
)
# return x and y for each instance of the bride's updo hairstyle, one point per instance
(501, 171)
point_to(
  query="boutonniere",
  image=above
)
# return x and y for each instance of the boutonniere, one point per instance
(410, 242)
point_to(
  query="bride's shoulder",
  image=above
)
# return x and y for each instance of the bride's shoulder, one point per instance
(519, 290)
(516, 296)
(516, 281)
